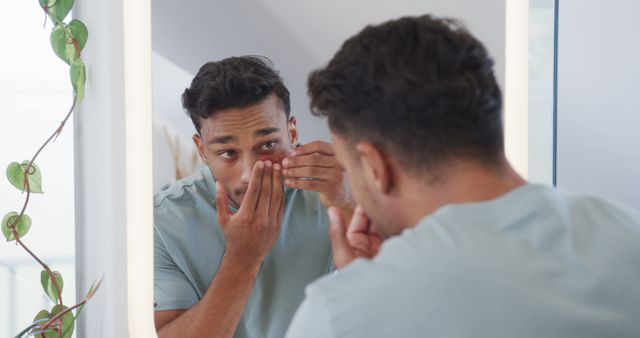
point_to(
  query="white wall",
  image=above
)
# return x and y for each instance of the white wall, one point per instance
(598, 110)
(299, 36)
(174, 153)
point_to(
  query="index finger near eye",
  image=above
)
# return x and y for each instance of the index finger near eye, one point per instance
(264, 199)
(315, 147)
(253, 191)
(277, 190)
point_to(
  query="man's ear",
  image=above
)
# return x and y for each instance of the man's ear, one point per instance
(293, 131)
(376, 166)
(197, 139)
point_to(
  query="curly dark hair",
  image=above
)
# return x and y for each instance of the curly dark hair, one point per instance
(234, 82)
(421, 88)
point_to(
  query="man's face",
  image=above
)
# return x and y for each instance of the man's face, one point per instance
(234, 139)
(363, 189)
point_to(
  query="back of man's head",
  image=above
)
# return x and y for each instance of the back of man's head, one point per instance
(233, 82)
(421, 88)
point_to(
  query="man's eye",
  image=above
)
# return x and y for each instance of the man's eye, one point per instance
(229, 154)
(268, 146)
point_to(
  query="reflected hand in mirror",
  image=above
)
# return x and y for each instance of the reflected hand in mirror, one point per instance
(252, 231)
(313, 166)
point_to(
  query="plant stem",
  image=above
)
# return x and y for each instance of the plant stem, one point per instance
(26, 201)
(44, 266)
(55, 133)
(28, 168)
(61, 314)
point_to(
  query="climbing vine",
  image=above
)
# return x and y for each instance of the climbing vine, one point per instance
(68, 39)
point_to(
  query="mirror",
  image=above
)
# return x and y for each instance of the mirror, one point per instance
(297, 37)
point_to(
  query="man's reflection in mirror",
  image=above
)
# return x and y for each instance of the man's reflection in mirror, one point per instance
(237, 242)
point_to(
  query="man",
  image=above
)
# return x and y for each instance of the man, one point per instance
(233, 248)
(471, 249)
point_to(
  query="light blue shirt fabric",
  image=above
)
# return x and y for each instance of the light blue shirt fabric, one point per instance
(533, 263)
(189, 245)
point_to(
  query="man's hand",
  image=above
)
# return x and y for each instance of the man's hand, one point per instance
(359, 240)
(313, 166)
(252, 231)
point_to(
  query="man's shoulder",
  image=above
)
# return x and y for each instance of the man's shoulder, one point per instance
(358, 282)
(184, 189)
(603, 208)
(590, 216)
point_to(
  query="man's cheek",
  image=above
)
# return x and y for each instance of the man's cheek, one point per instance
(273, 158)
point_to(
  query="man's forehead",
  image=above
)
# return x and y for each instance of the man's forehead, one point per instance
(265, 113)
(229, 130)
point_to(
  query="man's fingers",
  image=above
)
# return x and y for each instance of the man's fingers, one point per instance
(359, 222)
(358, 231)
(264, 199)
(375, 243)
(253, 191)
(277, 193)
(313, 159)
(312, 172)
(314, 147)
(313, 185)
(342, 252)
(222, 204)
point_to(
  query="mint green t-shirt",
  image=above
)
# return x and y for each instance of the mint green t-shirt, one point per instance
(535, 262)
(189, 245)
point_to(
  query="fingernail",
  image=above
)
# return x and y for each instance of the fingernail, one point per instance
(276, 166)
(260, 164)
(285, 172)
(268, 163)
(287, 181)
(285, 162)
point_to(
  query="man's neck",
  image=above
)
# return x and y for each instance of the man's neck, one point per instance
(463, 183)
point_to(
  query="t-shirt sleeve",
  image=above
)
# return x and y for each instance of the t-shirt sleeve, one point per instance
(172, 289)
(312, 320)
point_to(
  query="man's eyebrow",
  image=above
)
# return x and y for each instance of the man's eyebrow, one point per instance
(222, 139)
(265, 132)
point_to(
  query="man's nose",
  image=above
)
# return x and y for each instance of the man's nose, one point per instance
(247, 166)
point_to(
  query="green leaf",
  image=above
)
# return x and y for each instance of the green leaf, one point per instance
(48, 286)
(78, 78)
(50, 332)
(68, 321)
(59, 9)
(43, 314)
(22, 227)
(93, 289)
(38, 321)
(62, 43)
(79, 33)
(78, 310)
(70, 52)
(15, 175)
